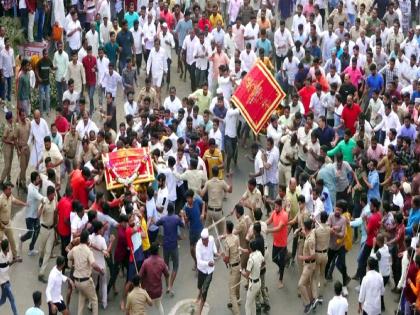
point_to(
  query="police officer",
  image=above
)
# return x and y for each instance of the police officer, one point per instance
(46, 213)
(83, 261)
(307, 286)
(6, 200)
(8, 147)
(22, 132)
(322, 241)
(252, 273)
(244, 222)
(232, 258)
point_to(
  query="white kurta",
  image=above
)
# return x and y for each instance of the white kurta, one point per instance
(58, 12)
(36, 140)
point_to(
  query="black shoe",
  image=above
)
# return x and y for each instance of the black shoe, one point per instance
(355, 277)
(313, 305)
(346, 282)
(307, 309)
(40, 261)
(229, 305)
(267, 308)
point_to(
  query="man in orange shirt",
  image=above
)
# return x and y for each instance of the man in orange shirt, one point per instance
(279, 220)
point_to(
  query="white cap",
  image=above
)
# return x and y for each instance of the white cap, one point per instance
(219, 91)
(164, 25)
(205, 233)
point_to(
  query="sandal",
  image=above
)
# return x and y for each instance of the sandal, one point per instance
(17, 259)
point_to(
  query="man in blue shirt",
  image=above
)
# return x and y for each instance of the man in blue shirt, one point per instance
(408, 130)
(264, 43)
(193, 213)
(413, 217)
(170, 224)
(125, 42)
(374, 82)
(373, 181)
(182, 28)
(131, 16)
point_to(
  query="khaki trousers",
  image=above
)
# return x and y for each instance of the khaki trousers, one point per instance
(215, 216)
(300, 252)
(251, 296)
(46, 244)
(10, 237)
(321, 262)
(7, 159)
(285, 173)
(86, 291)
(234, 293)
(158, 304)
(23, 164)
(306, 285)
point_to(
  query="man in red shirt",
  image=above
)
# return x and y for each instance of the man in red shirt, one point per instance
(61, 122)
(372, 225)
(167, 15)
(203, 22)
(350, 114)
(64, 208)
(89, 63)
(100, 200)
(305, 94)
(80, 183)
(279, 219)
(151, 273)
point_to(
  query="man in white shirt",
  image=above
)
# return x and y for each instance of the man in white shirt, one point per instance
(60, 64)
(7, 68)
(290, 67)
(157, 66)
(338, 305)
(247, 58)
(188, 48)
(274, 131)
(53, 291)
(138, 44)
(298, 19)
(72, 96)
(74, 32)
(283, 42)
(168, 43)
(316, 103)
(251, 32)
(201, 55)
(271, 161)
(92, 38)
(110, 80)
(162, 198)
(205, 252)
(389, 120)
(104, 29)
(371, 289)
(231, 136)
(102, 63)
(130, 107)
(172, 102)
(258, 173)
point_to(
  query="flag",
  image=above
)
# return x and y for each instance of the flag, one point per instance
(258, 96)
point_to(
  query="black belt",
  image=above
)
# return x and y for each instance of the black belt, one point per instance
(254, 280)
(81, 279)
(309, 261)
(285, 164)
(321, 251)
(47, 227)
(214, 209)
(301, 237)
(235, 264)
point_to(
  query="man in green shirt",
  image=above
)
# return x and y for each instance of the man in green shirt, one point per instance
(345, 146)
(24, 88)
(42, 71)
(111, 49)
(202, 97)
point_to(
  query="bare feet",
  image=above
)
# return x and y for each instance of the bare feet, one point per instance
(280, 285)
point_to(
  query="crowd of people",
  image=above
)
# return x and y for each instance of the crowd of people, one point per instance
(338, 164)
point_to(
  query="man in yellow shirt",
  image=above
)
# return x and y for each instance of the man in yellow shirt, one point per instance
(215, 17)
(213, 157)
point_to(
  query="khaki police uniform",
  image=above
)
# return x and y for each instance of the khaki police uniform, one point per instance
(241, 230)
(70, 146)
(5, 221)
(307, 286)
(82, 258)
(8, 135)
(254, 264)
(301, 216)
(22, 132)
(322, 242)
(46, 233)
(215, 189)
(232, 251)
